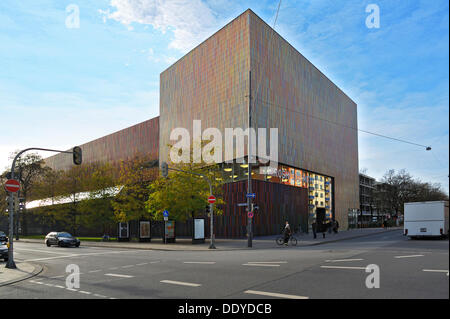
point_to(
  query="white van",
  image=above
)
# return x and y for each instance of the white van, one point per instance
(426, 219)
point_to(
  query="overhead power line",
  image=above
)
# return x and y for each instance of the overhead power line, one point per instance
(428, 148)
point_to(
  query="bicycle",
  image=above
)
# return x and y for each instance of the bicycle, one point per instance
(292, 240)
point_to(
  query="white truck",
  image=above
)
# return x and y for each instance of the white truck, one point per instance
(426, 219)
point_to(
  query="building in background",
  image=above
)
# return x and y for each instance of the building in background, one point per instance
(368, 211)
(317, 172)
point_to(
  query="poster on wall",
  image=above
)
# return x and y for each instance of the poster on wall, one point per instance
(170, 231)
(199, 228)
(144, 229)
(123, 230)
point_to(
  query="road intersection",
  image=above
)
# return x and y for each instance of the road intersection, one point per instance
(408, 269)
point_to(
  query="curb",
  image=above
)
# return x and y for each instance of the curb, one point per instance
(231, 249)
(37, 270)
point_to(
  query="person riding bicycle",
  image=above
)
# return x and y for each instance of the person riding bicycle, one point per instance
(287, 233)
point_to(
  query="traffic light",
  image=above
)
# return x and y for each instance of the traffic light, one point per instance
(164, 169)
(21, 203)
(77, 155)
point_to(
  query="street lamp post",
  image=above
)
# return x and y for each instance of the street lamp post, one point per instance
(11, 264)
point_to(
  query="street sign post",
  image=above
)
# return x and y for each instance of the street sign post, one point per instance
(12, 185)
(166, 218)
(250, 214)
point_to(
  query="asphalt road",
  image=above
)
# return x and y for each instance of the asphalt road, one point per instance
(408, 269)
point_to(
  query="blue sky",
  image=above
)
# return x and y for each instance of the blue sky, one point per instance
(61, 86)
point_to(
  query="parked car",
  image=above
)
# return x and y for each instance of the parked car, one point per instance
(3, 251)
(3, 237)
(61, 239)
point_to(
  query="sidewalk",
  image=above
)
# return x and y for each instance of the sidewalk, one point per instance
(263, 242)
(22, 272)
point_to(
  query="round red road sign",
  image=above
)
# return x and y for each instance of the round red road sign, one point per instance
(250, 214)
(12, 185)
(211, 199)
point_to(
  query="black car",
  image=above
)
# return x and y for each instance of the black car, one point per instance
(3, 251)
(3, 237)
(61, 239)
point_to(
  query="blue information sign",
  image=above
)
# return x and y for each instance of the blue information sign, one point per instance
(166, 213)
(251, 195)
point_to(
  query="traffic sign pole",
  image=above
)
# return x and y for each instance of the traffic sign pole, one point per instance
(249, 154)
(211, 200)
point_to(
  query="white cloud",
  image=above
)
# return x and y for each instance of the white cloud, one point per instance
(191, 21)
(170, 59)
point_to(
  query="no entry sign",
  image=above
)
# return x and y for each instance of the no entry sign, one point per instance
(211, 199)
(12, 185)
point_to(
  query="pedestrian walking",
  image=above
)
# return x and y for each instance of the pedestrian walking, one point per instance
(324, 228)
(336, 226)
(314, 228)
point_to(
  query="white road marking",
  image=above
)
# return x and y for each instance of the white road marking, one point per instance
(262, 265)
(54, 277)
(200, 262)
(273, 294)
(97, 270)
(76, 255)
(42, 251)
(410, 256)
(436, 270)
(127, 266)
(339, 260)
(155, 262)
(141, 264)
(267, 262)
(119, 275)
(342, 267)
(58, 286)
(181, 283)
(84, 292)
(71, 289)
(101, 296)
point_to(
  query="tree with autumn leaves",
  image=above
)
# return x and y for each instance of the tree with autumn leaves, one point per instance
(184, 193)
(134, 178)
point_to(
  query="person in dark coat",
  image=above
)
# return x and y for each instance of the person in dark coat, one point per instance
(314, 228)
(324, 228)
(286, 233)
(336, 226)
